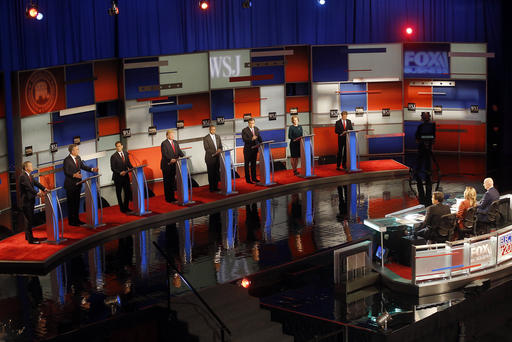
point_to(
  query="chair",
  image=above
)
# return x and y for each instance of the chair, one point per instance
(469, 222)
(504, 209)
(492, 218)
(447, 227)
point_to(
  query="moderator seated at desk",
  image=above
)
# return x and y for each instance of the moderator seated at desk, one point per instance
(430, 228)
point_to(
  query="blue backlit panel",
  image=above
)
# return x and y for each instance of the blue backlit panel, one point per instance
(135, 78)
(79, 85)
(65, 128)
(463, 95)
(353, 95)
(330, 63)
(222, 104)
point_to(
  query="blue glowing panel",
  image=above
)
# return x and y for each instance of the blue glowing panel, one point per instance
(463, 95)
(385, 145)
(222, 104)
(353, 95)
(68, 126)
(330, 63)
(135, 78)
(166, 119)
(410, 128)
(277, 71)
(79, 85)
(426, 60)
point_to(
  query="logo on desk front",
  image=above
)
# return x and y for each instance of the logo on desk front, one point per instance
(41, 92)
(505, 245)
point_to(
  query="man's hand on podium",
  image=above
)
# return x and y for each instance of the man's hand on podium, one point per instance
(122, 173)
(95, 169)
(40, 193)
(172, 161)
(254, 137)
(77, 175)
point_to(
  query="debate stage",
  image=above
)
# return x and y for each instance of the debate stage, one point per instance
(17, 256)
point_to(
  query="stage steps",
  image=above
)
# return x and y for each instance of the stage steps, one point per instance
(239, 311)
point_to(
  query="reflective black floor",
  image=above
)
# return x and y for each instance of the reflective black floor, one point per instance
(128, 273)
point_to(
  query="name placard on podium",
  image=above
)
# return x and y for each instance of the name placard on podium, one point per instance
(183, 181)
(54, 217)
(92, 194)
(227, 173)
(139, 188)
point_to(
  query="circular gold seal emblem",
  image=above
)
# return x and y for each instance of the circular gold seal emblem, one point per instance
(41, 92)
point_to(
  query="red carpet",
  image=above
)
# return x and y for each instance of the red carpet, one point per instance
(16, 248)
(400, 270)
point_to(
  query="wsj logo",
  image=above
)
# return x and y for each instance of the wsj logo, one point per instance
(480, 253)
(224, 66)
(426, 62)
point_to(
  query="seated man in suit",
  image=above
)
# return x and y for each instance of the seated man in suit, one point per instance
(171, 151)
(72, 165)
(212, 144)
(28, 198)
(119, 163)
(490, 196)
(429, 228)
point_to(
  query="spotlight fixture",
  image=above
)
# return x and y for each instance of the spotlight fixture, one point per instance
(245, 283)
(409, 30)
(114, 8)
(321, 2)
(203, 4)
(246, 3)
(39, 16)
(32, 10)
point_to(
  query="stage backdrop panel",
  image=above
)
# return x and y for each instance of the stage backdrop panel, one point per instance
(262, 123)
(105, 170)
(385, 95)
(138, 118)
(247, 100)
(108, 126)
(191, 70)
(299, 102)
(226, 64)
(353, 95)
(36, 131)
(297, 65)
(330, 63)
(79, 85)
(151, 157)
(200, 109)
(277, 71)
(106, 83)
(325, 97)
(426, 60)
(384, 145)
(416, 94)
(138, 141)
(140, 77)
(222, 103)
(375, 61)
(326, 142)
(272, 99)
(468, 67)
(375, 118)
(108, 142)
(42, 91)
(462, 96)
(191, 132)
(65, 128)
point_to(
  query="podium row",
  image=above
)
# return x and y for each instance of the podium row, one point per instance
(94, 209)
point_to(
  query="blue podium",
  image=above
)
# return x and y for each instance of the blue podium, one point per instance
(307, 157)
(92, 194)
(266, 163)
(54, 217)
(352, 150)
(139, 188)
(227, 173)
(183, 181)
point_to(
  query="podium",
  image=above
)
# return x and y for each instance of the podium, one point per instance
(139, 188)
(307, 161)
(266, 163)
(92, 193)
(183, 181)
(53, 210)
(352, 150)
(227, 173)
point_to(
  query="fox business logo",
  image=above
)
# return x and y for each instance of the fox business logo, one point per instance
(41, 92)
(481, 253)
(505, 244)
(426, 62)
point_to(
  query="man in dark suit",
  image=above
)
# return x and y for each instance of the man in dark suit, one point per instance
(119, 163)
(425, 137)
(28, 198)
(72, 165)
(490, 196)
(212, 145)
(340, 128)
(170, 153)
(251, 137)
(429, 228)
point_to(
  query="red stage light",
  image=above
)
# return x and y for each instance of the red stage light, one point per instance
(245, 283)
(409, 30)
(32, 12)
(203, 5)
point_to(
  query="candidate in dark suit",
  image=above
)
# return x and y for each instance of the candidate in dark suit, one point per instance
(251, 137)
(72, 165)
(28, 198)
(212, 144)
(429, 228)
(341, 126)
(170, 153)
(119, 163)
(490, 196)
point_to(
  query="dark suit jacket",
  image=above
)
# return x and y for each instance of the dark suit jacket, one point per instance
(27, 191)
(70, 168)
(490, 196)
(247, 137)
(209, 147)
(433, 215)
(168, 154)
(117, 165)
(338, 128)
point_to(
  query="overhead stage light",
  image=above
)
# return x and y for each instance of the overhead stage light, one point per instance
(203, 4)
(32, 11)
(39, 16)
(246, 3)
(409, 30)
(321, 2)
(114, 9)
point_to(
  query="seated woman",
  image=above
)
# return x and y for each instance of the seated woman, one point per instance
(469, 202)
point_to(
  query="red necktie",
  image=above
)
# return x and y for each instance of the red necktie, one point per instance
(76, 163)
(173, 149)
(122, 157)
(344, 125)
(252, 130)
